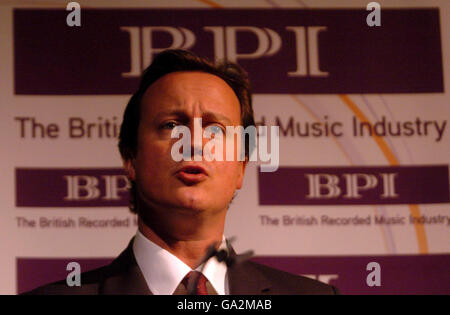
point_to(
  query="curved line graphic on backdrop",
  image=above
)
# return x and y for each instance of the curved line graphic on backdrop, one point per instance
(386, 105)
(386, 233)
(382, 209)
(386, 230)
(374, 114)
(413, 208)
(211, 4)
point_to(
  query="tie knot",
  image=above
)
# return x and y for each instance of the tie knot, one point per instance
(195, 283)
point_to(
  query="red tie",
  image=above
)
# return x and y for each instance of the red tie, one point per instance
(201, 282)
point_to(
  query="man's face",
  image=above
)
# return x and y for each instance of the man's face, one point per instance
(174, 100)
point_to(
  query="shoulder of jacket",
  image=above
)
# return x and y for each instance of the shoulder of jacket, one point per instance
(288, 283)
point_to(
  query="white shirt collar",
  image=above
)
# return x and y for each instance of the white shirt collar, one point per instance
(164, 271)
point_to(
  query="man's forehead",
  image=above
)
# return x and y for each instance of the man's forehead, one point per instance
(170, 92)
(192, 80)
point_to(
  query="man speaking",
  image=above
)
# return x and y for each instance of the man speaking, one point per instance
(182, 204)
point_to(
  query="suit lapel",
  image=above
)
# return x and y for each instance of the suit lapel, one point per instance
(245, 279)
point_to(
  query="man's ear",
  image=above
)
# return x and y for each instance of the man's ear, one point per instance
(130, 171)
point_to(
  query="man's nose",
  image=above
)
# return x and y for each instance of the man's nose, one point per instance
(197, 140)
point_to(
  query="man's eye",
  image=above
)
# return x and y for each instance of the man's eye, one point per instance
(215, 129)
(169, 125)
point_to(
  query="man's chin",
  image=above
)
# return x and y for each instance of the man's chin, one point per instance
(187, 198)
(199, 200)
(190, 198)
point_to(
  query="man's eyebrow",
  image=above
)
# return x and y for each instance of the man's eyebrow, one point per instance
(209, 116)
(176, 112)
(212, 116)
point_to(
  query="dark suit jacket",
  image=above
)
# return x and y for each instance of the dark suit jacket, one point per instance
(123, 276)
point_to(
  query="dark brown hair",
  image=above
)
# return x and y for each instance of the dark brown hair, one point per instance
(170, 61)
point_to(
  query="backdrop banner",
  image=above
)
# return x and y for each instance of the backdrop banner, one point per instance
(361, 196)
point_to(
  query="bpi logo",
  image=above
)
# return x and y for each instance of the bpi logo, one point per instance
(85, 187)
(71, 187)
(326, 186)
(225, 45)
(348, 185)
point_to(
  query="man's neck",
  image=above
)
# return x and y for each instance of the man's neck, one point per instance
(187, 238)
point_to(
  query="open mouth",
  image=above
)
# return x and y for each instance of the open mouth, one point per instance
(193, 171)
(190, 175)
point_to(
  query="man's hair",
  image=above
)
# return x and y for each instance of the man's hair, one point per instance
(177, 60)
